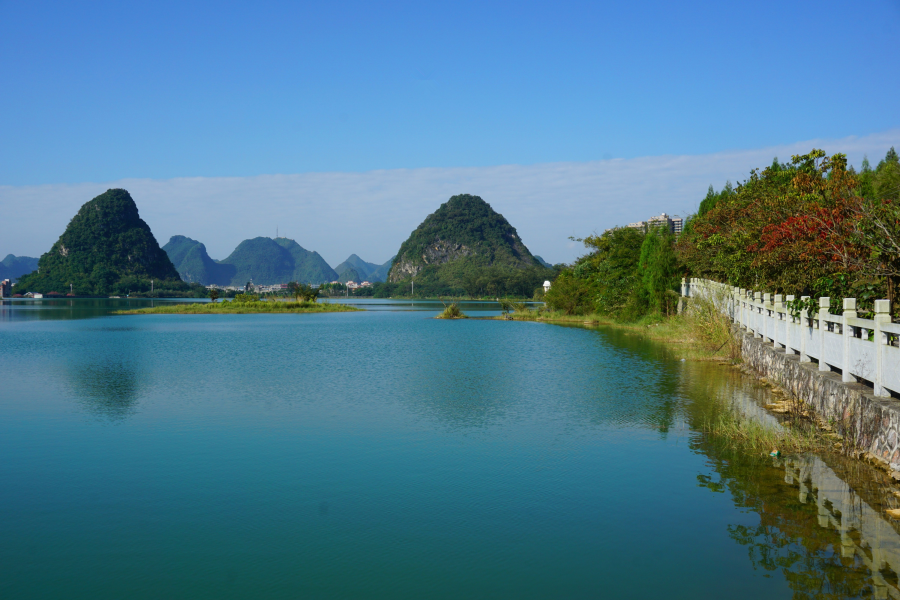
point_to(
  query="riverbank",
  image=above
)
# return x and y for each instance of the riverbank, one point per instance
(235, 308)
(701, 333)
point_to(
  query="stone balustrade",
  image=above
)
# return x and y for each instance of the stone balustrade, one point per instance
(861, 350)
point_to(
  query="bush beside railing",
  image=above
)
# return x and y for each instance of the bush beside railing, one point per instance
(861, 349)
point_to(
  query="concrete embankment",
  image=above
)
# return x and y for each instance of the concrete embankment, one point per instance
(865, 421)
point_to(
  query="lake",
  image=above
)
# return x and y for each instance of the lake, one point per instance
(387, 454)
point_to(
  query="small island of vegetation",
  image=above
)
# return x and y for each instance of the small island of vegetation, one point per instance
(452, 311)
(245, 304)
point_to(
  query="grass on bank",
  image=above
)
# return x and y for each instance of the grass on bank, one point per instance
(701, 330)
(750, 436)
(236, 308)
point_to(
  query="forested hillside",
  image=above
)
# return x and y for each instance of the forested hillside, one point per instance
(263, 260)
(465, 248)
(194, 264)
(106, 249)
(813, 226)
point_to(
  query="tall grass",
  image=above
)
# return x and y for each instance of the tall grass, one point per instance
(739, 432)
(452, 312)
(701, 330)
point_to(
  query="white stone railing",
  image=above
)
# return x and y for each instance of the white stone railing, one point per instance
(861, 349)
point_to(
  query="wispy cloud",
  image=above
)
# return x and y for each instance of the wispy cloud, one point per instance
(371, 213)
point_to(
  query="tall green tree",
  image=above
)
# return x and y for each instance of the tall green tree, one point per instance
(659, 271)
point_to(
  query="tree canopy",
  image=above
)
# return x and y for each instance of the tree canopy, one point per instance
(812, 226)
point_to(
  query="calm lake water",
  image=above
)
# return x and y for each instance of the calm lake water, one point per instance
(386, 454)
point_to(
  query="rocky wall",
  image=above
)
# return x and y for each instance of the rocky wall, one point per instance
(869, 422)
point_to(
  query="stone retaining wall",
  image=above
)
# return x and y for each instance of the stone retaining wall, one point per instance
(870, 422)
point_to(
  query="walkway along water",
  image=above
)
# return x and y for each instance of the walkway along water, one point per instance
(846, 368)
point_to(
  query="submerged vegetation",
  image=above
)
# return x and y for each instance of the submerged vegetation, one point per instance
(754, 437)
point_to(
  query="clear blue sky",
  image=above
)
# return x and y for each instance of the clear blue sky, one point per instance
(95, 91)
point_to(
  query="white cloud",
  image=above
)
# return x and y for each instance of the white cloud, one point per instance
(371, 213)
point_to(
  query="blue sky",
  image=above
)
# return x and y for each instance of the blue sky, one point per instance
(105, 92)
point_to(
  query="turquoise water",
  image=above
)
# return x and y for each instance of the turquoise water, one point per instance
(381, 454)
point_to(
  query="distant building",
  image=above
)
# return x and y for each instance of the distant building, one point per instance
(673, 224)
(546, 286)
(5, 288)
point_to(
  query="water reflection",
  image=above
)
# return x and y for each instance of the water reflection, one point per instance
(110, 389)
(629, 382)
(821, 518)
(495, 434)
(75, 308)
(828, 539)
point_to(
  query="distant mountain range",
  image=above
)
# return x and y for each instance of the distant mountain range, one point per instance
(263, 260)
(107, 248)
(12, 267)
(356, 269)
(266, 261)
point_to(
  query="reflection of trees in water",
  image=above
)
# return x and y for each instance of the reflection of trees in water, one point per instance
(824, 537)
(110, 389)
(68, 309)
(633, 382)
(473, 382)
(827, 537)
(462, 385)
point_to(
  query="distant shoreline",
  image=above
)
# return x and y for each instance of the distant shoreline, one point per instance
(240, 308)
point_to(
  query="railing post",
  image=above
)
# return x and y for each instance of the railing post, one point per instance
(847, 334)
(882, 315)
(745, 310)
(777, 311)
(804, 323)
(767, 322)
(685, 288)
(789, 327)
(824, 305)
(745, 294)
(734, 303)
(757, 315)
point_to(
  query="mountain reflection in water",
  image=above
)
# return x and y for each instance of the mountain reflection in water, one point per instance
(109, 389)
(388, 454)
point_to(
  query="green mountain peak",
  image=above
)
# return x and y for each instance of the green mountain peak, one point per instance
(106, 248)
(463, 228)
